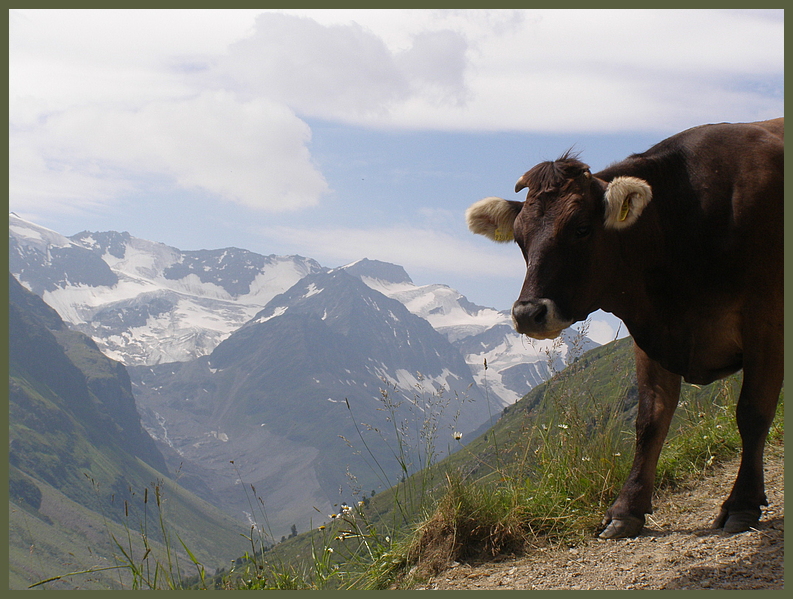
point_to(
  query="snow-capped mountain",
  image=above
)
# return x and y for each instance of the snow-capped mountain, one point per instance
(284, 394)
(515, 363)
(145, 302)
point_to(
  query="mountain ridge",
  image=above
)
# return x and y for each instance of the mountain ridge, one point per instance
(158, 304)
(145, 302)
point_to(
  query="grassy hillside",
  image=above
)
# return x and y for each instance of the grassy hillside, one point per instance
(82, 470)
(51, 535)
(545, 472)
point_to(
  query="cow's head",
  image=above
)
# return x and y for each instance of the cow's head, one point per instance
(564, 229)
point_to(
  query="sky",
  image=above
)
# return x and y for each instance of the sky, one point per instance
(348, 134)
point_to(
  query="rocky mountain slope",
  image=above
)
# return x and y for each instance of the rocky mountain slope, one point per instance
(286, 395)
(516, 364)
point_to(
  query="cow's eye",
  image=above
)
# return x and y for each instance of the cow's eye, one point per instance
(582, 231)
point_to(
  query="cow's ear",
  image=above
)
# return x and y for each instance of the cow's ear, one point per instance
(493, 218)
(626, 198)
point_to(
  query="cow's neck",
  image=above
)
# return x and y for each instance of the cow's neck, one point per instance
(638, 291)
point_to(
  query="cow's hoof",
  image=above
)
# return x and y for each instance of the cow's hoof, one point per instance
(626, 526)
(734, 522)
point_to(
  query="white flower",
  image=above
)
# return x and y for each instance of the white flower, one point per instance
(457, 436)
(563, 426)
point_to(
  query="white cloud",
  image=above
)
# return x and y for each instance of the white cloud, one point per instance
(67, 58)
(342, 71)
(253, 153)
(103, 101)
(213, 100)
(572, 70)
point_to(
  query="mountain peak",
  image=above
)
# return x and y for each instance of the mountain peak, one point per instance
(28, 234)
(380, 271)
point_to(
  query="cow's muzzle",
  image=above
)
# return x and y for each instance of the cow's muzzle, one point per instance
(538, 318)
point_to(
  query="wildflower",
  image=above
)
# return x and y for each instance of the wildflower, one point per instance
(457, 436)
(563, 426)
(616, 455)
(361, 504)
(330, 549)
(333, 516)
(322, 527)
(586, 459)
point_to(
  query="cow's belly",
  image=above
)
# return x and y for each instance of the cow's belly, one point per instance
(701, 351)
(717, 349)
(705, 372)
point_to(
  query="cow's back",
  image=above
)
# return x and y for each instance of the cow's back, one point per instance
(708, 249)
(775, 126)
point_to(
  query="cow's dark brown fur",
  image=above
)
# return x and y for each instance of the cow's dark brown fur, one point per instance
(697, 279)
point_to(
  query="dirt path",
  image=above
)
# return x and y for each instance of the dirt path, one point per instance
(676, 550)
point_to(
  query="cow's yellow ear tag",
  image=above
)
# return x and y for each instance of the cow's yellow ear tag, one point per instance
(626, 207)
(503, 236)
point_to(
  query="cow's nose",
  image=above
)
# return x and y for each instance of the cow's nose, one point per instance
(529, 315)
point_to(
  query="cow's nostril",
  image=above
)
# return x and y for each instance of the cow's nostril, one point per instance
(533, 313)
(538, 313)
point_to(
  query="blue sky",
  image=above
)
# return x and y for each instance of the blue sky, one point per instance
(340, 135)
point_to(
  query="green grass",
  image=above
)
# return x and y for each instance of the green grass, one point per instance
(552, 482)
(61, 540)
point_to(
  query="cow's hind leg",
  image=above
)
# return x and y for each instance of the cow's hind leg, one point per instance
(659, 392)
(754, 413)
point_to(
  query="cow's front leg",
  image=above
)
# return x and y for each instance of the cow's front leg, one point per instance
(659, 392)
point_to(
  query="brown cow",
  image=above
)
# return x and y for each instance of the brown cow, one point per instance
(684, 244)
